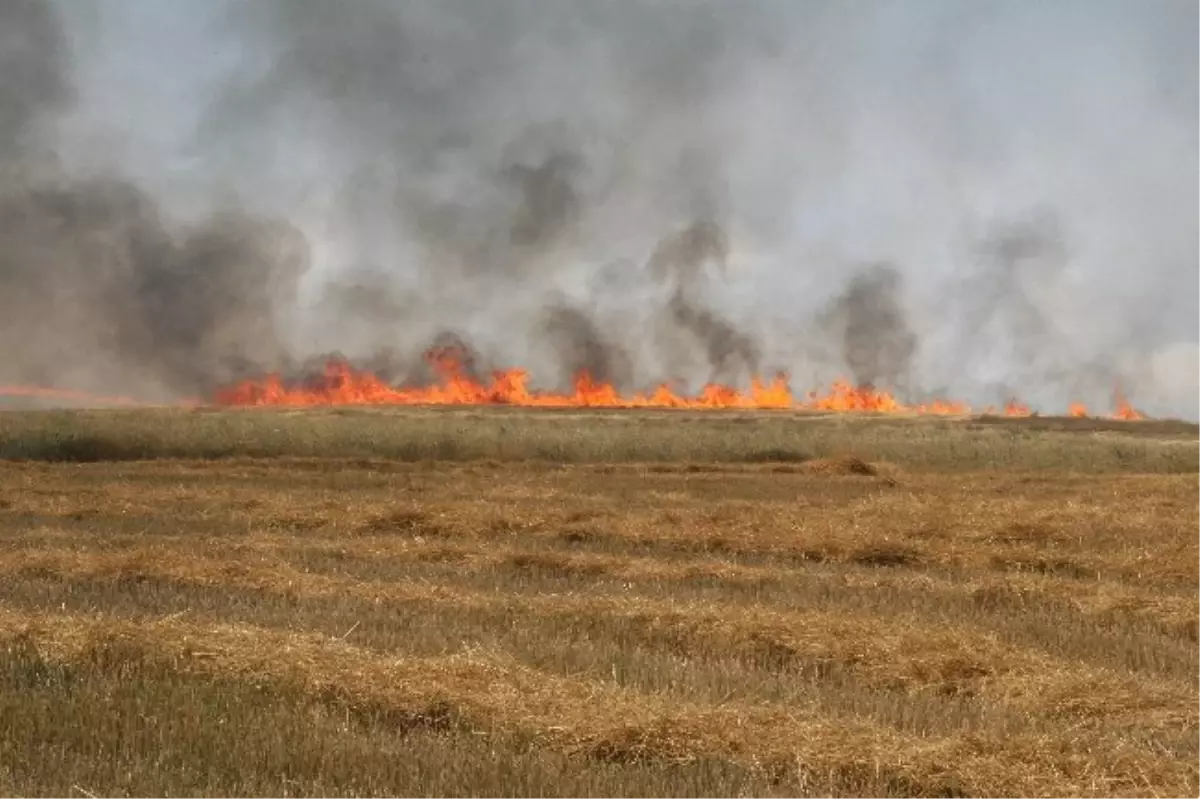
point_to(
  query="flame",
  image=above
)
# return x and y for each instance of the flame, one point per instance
(341, 384)
(1124, 410)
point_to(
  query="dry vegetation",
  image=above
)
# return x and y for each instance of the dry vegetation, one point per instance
(452, 602)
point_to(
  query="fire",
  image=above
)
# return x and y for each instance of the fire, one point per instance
(341, 384)
(1123, 409)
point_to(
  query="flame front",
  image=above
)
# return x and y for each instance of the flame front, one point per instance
(341, 384)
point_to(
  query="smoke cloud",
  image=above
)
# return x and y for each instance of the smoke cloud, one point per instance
(583, 348)
(877, 344)
(35, 81)
(96, 285)
(982, 201)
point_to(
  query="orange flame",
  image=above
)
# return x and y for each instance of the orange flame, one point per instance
(341, 384)
(1124, 410)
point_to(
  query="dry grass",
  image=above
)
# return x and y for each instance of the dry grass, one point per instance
(806, 607)
(597, 436)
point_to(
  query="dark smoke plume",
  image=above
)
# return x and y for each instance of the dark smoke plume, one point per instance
(583, 348)
(548, 200)
(208, 305)
(686, 261)
(877, 342)
(90, 267)
(510, 231)
(680, 258)
(732, 355)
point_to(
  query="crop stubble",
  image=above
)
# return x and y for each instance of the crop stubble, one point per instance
(548, 604)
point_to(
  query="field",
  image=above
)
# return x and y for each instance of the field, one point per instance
(497, 602)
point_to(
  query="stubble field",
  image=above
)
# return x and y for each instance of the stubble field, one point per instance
(496, 602)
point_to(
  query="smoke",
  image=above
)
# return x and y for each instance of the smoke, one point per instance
(687, 262)
(682, 258)
(644, 190)
(90, 268)
(877, 342)
(583, 348)
(35, 79)
(93, 277)
(548, 202)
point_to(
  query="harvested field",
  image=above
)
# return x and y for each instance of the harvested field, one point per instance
(496, 602)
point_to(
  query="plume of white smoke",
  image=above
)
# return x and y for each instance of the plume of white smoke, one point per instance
(506, 170)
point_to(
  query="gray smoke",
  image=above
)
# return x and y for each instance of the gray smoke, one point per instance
(688, 261)
(548, 203)
(93, 277)
(650, 190)
(687, 258)
(35, 82)
(90, 267)
(877, 342)
(583, 348)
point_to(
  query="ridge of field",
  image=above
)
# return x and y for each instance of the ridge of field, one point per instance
(342, 603)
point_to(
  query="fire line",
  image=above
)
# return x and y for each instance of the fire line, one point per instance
(342, 384)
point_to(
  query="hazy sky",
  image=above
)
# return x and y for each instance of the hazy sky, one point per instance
(825, 136)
